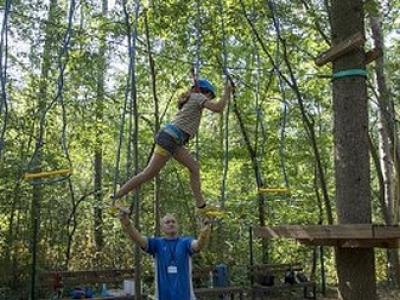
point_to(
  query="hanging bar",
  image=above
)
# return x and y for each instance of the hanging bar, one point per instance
(62, 172)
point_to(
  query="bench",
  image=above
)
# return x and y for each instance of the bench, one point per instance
(219, 293)
(201, 276)
(202, 279)
(63, 282)
(262, 292)
(51, 284)
(269, 278)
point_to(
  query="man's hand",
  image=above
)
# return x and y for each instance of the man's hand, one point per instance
(204, 236)
(129, 228)
(206, 228)
(205, 221)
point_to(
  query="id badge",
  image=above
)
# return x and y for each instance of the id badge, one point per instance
(172, 270)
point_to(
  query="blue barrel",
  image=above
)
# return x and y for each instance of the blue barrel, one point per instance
(221, 276)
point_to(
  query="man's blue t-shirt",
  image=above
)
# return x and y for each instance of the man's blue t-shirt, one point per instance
(173, 267)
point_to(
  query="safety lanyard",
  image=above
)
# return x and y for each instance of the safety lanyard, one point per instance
(172, 251)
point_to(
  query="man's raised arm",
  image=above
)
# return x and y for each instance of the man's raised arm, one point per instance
(204, 236)
(130, 230)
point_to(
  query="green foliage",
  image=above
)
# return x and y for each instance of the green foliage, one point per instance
(175, 28)
(372, 7)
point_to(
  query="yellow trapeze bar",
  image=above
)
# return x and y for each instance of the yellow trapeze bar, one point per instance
(273, 190)
(62, 172)
(212, 212)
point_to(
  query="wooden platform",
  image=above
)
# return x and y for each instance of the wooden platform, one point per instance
(263, 292)
(344, 235)
(353, 42)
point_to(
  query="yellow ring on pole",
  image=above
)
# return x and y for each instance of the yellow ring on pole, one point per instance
(62, 172)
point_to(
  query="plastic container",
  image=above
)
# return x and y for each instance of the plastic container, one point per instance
(221, 276)
(129, 287)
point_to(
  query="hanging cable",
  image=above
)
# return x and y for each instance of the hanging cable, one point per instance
(259, 111)
(281, 85)
(60, 84)
(36, 158)
(196, 68)
(134, 111)
(126, 97)
(131, 90)
(63, 57)
(197, 62)
(62, 63)
(226, 116)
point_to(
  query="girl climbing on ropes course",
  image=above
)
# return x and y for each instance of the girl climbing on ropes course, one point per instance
(172, 138)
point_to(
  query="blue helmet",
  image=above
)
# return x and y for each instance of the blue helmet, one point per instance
(206, 85)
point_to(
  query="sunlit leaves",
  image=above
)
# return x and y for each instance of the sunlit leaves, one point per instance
(177, 35)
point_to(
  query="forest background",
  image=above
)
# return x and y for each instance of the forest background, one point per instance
(85, 85)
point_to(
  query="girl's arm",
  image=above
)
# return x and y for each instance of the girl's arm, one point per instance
(183, 98)
(218, 106)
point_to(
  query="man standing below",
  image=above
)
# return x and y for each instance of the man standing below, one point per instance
(172, 255)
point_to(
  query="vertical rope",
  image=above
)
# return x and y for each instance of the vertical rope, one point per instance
(198, 30)
(60, 81)
(259, 111)
(63, 57)
(281, 85)
(226, 116)
(197, 63)
(196, 68)
(126, 96)
(138, 273)
(37, 153)
(132, 91)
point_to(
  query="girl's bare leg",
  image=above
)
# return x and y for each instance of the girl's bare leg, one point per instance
(156, 163)
(183, 156)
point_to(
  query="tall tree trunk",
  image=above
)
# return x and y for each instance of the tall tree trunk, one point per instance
(356, 267)
(36, 163)
(386, 144)
(11, 233)
(98, 152)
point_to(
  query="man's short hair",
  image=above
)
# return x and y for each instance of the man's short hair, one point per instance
(170, 215)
